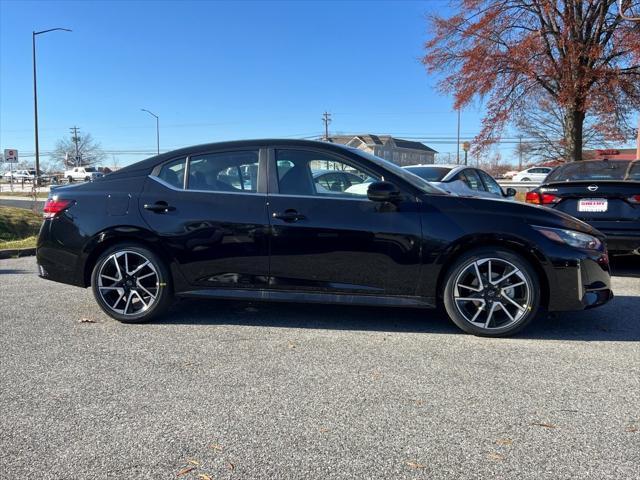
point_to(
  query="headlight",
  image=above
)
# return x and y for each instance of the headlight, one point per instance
(570, 237)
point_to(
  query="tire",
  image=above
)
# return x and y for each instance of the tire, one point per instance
(70, 178)
(491, 309)
(141, 294)
(87, 179)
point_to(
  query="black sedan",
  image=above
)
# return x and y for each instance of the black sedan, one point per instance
(603, 193)
(246, 220)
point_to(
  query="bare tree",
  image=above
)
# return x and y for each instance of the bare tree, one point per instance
(544, 123)
(582, 54)
(88, 150)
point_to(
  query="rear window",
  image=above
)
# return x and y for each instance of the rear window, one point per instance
(590, 170)
(430, 174)
(634, 172)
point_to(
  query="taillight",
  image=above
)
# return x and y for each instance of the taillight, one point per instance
(532, 197)
(549, 198)
(54, 206)
(541, 198)
(634, 199)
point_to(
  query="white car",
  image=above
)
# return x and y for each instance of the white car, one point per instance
(461, 180)
(454, 179)
(533, 174)
(19, 175)
(82, 174)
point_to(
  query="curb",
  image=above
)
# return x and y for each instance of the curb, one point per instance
(17, 252)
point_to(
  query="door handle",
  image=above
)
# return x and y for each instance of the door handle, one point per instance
(289, 215)
(159, 207)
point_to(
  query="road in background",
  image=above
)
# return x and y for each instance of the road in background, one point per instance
(263, 391)
(21, 203)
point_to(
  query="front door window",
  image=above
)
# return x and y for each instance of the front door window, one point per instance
(303, 172)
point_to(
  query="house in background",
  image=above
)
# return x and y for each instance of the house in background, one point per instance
(399, 151)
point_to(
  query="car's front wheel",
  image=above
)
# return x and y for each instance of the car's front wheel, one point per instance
(491, 292)
(131, 283)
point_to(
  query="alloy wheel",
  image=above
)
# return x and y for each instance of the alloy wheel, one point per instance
(492, 293)
(128, 283)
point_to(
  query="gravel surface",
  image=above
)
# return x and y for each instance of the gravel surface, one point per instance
(236, 390)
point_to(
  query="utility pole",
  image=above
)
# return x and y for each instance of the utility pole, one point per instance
(326, 119)
(458, 147)
(76, 139)
(520, 153)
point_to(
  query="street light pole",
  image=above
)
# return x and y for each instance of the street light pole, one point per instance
(35, 98)
(157, 127)
(458, 142)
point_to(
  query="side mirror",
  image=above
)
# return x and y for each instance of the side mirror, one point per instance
(510, 192)
(383, 192)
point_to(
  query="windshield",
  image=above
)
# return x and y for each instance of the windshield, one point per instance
(591, 170)
(414, 180)
(430, 174)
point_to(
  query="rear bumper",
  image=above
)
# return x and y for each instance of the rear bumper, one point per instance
(58, 262)
(622, 242)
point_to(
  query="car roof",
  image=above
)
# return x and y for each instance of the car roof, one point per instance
(151, 162)
(437, 165)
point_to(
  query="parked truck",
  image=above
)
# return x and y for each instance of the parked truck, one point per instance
(82, 174)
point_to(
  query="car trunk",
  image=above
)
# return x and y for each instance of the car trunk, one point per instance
(613, 205)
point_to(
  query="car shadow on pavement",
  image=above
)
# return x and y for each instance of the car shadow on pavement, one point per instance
(626, 266)
(12, 271)
(608, 323)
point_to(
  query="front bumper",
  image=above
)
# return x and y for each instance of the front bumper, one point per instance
(580, 283)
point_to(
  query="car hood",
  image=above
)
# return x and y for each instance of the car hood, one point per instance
(524, 212)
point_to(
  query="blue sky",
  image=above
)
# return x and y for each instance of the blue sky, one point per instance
(219, 70)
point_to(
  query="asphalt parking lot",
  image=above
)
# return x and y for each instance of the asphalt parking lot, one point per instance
(228, 390)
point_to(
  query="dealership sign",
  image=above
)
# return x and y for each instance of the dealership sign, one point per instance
(10, 155)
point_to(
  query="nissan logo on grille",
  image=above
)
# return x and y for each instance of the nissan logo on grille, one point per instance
(592, 188)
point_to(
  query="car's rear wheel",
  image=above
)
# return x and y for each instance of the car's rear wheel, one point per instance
(491, 292)
(131, 284)
(70, 178)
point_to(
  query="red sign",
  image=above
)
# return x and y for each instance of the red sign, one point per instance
(608, 152)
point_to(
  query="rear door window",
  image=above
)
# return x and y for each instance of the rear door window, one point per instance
(224, 172)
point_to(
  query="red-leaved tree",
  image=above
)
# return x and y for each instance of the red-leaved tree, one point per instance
(580, 53)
